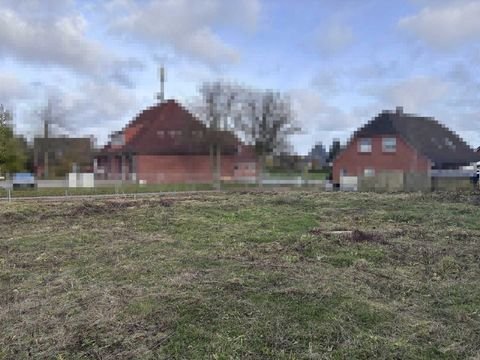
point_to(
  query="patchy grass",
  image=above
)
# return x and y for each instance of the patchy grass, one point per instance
(105, 190)
(281, 275)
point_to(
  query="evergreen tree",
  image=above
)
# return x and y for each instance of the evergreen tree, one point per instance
(335, 149)
(12, 153)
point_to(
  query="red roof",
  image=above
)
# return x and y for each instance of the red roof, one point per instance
(169, 128)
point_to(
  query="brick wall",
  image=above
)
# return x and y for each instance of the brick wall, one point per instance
(405, 158)
(180, 168)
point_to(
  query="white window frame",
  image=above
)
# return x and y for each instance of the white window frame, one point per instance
(365, 145)
(389, 147)
(368, 172)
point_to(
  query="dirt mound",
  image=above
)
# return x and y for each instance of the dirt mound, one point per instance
(363, 236)
(356, 236)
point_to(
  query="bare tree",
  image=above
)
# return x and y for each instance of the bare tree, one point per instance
(263, 119)
(266, 121)
(217, 110)
(52, 113)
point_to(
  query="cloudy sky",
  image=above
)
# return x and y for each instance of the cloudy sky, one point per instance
(341, 61)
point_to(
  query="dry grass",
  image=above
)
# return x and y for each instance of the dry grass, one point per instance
(242, 275)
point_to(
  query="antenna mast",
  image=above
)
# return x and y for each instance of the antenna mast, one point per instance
(161, 94)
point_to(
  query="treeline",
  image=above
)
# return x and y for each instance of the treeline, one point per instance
(15, 155)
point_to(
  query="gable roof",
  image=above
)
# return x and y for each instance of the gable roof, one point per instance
(430, 138)
(170, 129)
(318, 152)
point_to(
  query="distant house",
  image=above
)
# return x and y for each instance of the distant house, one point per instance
(58, 156)
(397, 141)
(318, 157)
(287, 162)
(166, 143)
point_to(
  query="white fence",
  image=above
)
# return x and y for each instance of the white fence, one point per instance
(456, 173)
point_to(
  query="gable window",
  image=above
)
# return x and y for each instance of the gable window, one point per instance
(389, 144)
(365, 145)
(368, 172)
(450, 144)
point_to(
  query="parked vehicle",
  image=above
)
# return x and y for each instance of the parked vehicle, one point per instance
(23, 180)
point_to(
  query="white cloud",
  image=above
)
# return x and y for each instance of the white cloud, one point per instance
(61, 42)
(32, 34)
(327, 82)
(446, 24)
(315, 114)
(45, 9)
(186, 26)
(415, 94)
(334, 38)
(319, 120)
(94, 103)
(12, 88)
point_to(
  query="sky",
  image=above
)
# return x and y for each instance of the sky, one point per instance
(341, 62)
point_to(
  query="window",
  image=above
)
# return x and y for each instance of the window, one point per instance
(389, 144)
(365, 145)
(161, 134)
(368, 172)
(175, 133)
(118, 139)
(197, 134)
(450, 144)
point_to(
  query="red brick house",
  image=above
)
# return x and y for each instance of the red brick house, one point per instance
(394, 140)
(166, 143)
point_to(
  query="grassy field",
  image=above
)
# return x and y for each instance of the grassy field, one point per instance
(138, 189)
(290, 175)
(285, 275)
(104, 190)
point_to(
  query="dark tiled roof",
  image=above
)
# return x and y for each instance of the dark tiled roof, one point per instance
(318, 152)
(425, 134)
(170, 129)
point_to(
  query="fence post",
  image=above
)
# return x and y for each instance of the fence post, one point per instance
(9, 195)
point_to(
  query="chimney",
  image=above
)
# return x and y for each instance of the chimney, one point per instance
(399, 110)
